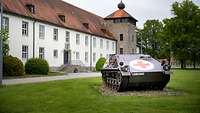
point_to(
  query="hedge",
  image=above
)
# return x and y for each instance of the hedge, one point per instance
(37, 66)
(12, 66)
(100, 63)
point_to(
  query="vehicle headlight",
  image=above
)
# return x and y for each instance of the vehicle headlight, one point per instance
(166, 67)
(125, 68)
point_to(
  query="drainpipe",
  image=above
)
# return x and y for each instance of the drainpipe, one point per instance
(90, 52)
(116, 47)
(34, 38)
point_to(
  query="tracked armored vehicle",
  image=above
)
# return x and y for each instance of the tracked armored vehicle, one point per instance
(135, 72)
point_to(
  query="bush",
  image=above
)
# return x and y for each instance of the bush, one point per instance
(100, 63)
(12, 66)
(37, 66)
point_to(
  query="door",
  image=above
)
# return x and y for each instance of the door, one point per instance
(66, 57)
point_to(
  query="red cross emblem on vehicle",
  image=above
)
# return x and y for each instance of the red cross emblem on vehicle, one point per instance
(141, 64)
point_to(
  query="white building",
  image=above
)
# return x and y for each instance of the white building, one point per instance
(56, 31)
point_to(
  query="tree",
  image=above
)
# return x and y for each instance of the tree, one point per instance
(149, 36)
(5, 41)
(183, 31)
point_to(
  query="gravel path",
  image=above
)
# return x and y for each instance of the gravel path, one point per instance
(165, 92)
(52, 78)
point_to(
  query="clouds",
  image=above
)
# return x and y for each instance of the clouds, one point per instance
(142, 10)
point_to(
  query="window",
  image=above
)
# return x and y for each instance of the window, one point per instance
(94, 57)
(107, 45)
(77, 56)
(101, 43)
(67, 36)
(86, 56)
(24, 52)
(24, 28)
(31, 8)
(41, 52)
(121, 37)
(86, 40)
(77, 39)
(55, 34)
(55, 53)
(94, 42)
(121, 51)
(41, 31)
(113, 46)
(101, 55)
(121, 20)
(5, 23)
(62, 17)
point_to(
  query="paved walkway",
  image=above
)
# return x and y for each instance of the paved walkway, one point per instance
(50, 78)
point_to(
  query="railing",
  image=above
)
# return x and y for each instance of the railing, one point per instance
(77, 62)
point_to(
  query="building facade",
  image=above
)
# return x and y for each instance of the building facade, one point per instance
(58, 32)
(123, 27)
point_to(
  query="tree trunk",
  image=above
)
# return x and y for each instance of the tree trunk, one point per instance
(169, 59)
(194, 62)
(183, 65)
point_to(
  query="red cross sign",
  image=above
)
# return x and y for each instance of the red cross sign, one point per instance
(141, 64)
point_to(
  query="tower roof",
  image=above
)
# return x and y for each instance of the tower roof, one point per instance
(120, 13)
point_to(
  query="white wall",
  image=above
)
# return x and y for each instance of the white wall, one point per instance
(17, 40)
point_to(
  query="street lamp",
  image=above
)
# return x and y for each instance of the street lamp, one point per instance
(141, 45)
(1, 44)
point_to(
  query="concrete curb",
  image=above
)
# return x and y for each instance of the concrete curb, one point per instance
(52, 78)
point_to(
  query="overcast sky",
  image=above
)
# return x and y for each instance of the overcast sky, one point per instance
(142, 10)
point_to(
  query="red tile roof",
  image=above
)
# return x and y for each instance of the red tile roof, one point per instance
(48, 11)
(120, 13)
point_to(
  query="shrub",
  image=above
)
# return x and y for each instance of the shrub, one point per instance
(100, 63)
(37, 66)
(12, 66)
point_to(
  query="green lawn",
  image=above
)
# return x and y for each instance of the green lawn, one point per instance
(82, 96)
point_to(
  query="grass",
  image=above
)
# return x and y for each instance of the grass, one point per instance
(34, 75)
(82, 96)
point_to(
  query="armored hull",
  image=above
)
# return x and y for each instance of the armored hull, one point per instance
(135, 72)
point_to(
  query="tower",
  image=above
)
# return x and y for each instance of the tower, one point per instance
(123, 27)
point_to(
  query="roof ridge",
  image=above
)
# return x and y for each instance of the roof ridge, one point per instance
(80, 8)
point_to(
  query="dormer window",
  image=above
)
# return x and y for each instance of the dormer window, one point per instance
(31, 8)
(62, 17)
(103, 30)
(86, 25)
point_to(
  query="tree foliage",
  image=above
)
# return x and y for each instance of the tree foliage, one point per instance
(149, 37)
(5, 35)
(184, 29)
(177, 36)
